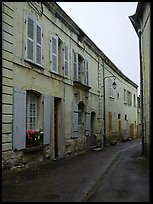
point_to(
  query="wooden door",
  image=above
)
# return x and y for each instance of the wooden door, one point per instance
(56, 127)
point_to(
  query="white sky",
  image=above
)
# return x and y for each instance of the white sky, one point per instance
(107, 24)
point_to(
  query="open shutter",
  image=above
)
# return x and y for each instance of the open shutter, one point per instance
(75, 65)
(86, 73)
(19, 119)
(75, 119)
(54, 53)
(88, 122)
(65, 60)
(30, 39)
(47, 119)
(38, 44)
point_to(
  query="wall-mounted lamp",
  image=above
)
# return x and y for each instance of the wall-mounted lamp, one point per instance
(114, 84)
(114, 87)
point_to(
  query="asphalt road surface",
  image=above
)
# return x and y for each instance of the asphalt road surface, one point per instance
(116, 173)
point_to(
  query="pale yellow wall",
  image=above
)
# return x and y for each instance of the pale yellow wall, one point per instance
(22, 74)
(146, 51)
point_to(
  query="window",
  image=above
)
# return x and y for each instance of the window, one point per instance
(86, 73)
(129, 98)
(65, 60)
(75, 65)
(126, 117)
(134, 100)
(33, 41)
(34, 134)
(31, 111)
(118, 95)
(80, 113)
(58, 56)
(111, 90)
(29, 116)
(80, 69)
(125, 96)
(54, 53)
(119, 116)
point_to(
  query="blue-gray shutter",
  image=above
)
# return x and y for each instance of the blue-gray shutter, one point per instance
(65, 60)
(19, 119)
(86, 73)
(88, 121)
(75, 65)
(30, 38)
(74, 119)
(38, 44)
(47, 119)
(54, 53)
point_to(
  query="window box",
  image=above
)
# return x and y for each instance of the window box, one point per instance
(34, 138)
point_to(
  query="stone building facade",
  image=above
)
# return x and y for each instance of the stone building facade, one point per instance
(141, 21)
(53, 79)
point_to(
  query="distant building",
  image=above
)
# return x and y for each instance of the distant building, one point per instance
(142, 24)
(53, 79)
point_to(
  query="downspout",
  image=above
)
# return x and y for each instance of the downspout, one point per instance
(104, 111)
(141, 91)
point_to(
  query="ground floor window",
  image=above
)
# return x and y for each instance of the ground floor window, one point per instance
(34, 134)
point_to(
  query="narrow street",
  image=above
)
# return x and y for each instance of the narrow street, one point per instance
(116, 173)
(126, 179)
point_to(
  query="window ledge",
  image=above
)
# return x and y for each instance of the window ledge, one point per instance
(32, 149)
(83, 86)
(37, 66)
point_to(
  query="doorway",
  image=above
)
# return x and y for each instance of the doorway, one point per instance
(57, 125)
(93, 137)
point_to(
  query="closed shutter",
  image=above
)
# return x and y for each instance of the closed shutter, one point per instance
(66, 60)
(54, 53)
(38, 44)
(86, 73)
(19, 119)
(47, 119)
(30, 39)
(74, 119)
(88, 122)
(75, 65)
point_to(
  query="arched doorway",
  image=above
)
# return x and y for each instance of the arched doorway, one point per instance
(93, 140)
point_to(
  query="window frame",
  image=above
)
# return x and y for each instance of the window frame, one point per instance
(53, 54)
(34, 41)
(66, 71)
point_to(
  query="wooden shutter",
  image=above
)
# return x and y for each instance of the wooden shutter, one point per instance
(65, 60)
(75, 65)
(54, 53)
(38, 44)
(88, 121)
(19, 119)
(86, 73)
(30, 38)
(47, 119)
(74, 119)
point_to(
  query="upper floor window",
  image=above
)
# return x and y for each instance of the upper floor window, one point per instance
(111, 89)
(33, 41)
(134, 100)
(80, 69)
(125, 96)
(129, 98)
(58, 56)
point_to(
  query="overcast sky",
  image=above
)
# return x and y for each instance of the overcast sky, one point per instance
(107, 24)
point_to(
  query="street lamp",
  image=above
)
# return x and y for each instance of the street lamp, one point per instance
(114, 87)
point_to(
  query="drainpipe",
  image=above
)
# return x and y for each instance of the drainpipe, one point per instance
(104, 111)
(141, 90)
